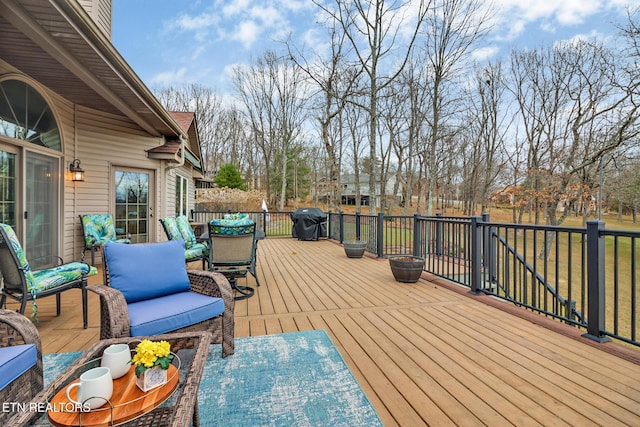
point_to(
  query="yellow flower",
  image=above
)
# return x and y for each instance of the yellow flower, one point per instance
(149, 354)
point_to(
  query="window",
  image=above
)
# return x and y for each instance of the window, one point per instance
(182, 185)
(30, 178)
(25, 115)
(133, 206)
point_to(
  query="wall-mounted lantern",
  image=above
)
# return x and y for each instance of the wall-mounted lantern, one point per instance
(77, 174)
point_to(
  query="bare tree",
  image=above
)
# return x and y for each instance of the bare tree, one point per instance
(273, 97)
(382, 34)
(355, 122)
(336, 81)
(452, 28)
(487, 122)
(207, 104)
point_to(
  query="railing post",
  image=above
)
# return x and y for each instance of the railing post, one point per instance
(341, 224)
(489, 255)
(476, 255)
(264, 222)
(596, 301)
(439, 235)
(416, 236)
(357, 225)
(380, 235)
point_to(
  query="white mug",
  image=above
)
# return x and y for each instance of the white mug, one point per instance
(116, 357)
(94, 388)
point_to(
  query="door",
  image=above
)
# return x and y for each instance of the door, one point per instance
(29, 203)
(9, 187)
(41, 215)
(134, 204)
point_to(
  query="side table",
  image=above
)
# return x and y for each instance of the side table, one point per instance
(181, 409)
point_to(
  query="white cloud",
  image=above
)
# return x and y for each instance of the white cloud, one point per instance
(514, 16)
(247, 33)
(169, 77)
(484, 53)
(234, 7)
(198, 22)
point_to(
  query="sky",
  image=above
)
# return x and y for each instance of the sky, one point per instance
(180, 42)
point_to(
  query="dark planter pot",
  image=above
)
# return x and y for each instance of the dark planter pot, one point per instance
(406, 268)
(354, 248)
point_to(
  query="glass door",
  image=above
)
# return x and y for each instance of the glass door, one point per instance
(29, 202)
(41, 216)
(134, 207)
(8, 189)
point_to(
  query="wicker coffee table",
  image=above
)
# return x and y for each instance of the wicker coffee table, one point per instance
(180, 409)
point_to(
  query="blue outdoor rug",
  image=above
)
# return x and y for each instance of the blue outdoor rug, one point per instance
(293, 379)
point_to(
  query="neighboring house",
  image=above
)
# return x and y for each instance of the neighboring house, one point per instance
(67, 94)
(348, 190)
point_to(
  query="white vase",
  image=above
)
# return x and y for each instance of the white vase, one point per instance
(151, 378)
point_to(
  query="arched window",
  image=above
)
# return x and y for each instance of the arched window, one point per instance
(25, 115)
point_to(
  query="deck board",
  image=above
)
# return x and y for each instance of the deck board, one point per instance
(425, 353)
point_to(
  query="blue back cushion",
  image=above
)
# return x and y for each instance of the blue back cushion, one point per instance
(146, 271)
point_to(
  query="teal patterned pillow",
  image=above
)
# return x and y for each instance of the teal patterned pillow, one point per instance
(171, 227)
(196, 250)
(228, 226)
(186, 231)
(40, 280)
(98, 229)
(236, 216)
(22, 257)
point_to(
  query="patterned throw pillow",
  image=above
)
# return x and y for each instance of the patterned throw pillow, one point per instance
(236, 216)
(171, 228)
(186, 231)
(230, 226)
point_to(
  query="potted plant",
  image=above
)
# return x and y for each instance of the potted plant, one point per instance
(354, 248)
(152, 359)
(406, 268)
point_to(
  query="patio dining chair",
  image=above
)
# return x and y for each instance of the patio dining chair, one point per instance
(179, 228)
(98, 229)
(23, 284)
(232, 251)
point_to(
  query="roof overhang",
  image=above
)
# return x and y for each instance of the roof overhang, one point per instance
(57, 43)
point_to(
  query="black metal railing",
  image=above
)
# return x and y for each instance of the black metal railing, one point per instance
(586, 277)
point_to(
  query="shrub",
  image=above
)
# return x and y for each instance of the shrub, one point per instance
(228, 199)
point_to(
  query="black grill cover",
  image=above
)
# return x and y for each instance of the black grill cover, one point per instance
(309, 223)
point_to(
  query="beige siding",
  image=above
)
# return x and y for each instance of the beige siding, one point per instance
(102, 142)
(187, 172)
(100, 12)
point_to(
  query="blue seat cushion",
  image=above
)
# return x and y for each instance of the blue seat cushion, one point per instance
(147, 271)
(171, 312)
(15, 360)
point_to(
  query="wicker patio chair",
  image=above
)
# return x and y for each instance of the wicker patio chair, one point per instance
(23, 284)
(16, 329)
(114, 313)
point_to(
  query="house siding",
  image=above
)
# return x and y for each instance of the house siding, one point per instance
(100, 11)
(105, 142)
(170, 194)
(102, 142)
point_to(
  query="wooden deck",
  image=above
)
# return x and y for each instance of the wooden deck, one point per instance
(425, 353)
